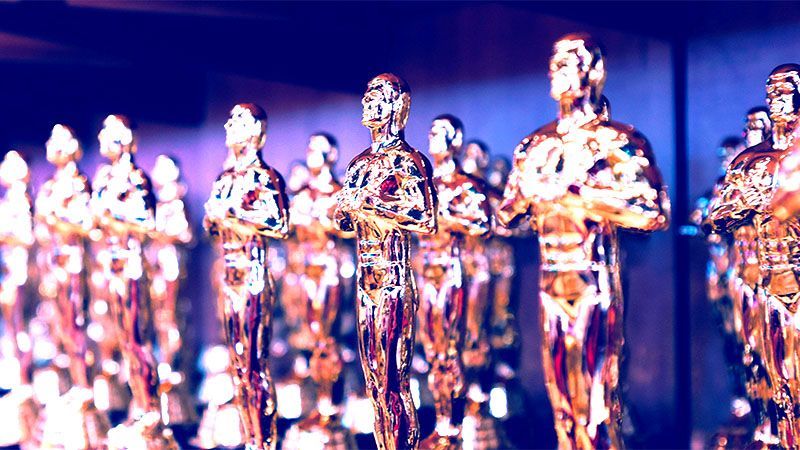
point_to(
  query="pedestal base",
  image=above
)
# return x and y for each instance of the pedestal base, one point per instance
(220, 426)
(145, 432)
(19, 411)
(481, 431)
(441, 441)
(177, 405)
(318, 432)
(72, 421)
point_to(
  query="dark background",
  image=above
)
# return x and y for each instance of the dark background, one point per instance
(683, 73)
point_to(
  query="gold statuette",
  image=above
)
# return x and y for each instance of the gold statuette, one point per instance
(743, 208)
(123, 207)
(464, 213)
(491, 338)
(732, 277)
(248, 205)
(63, 213)
(580, 178)
(388, 194)
(312, 209)
(16, 238)
(166, 255)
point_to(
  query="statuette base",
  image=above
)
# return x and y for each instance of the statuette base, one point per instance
(73, 421)
(319, 432)
(145, 432)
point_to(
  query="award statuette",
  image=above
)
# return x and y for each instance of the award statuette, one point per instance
(247, 206)
(580, 178)
(166, 255)
(492, 339)
(745, 200)
(504, 327)
(63, 213)
(123, 207)
(16, 238)
(748, 309)
(719, 272)
(311, 211)
(464, 212)
(388, 194)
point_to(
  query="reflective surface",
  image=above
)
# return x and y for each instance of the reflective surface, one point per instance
(248, 204)
(166, 257)
(63, 223)
(743, 208)
(731, 278)
(16, 238)
(312, 208)
(463, 212)
(492, 335)
(579, 179)
(123, 208)
(387, 195)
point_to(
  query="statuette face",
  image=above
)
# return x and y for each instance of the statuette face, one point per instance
(116, 137)
(247, 127)
(782, 95)
(758, 126)
(386, 104)
(13, 169)
(62, 147)
(576, 67)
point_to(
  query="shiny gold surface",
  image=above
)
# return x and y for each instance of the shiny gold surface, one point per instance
(248, 204)
(491, 334)
(16, 238)
(579, 179)
(166, 256)
(744, 209)
(464, 212)
(387, 195)
(311, 211)
(731, 283)
(64, 220)
(123, 207)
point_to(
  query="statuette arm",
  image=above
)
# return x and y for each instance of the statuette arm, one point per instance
(514, 206)
(265, 208)
(627, 191)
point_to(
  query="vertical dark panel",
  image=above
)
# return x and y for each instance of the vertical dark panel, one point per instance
(680, 210)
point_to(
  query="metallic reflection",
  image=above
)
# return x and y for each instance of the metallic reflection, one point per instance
(579, 179)
(248, 204)
(387, 195)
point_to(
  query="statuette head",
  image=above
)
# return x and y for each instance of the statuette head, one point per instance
(446, 136)
(475, 158)
(783, 94)
(386, 103)
(498, 172)
(13, 169)
(63, 146)
(246, 129)
(166, 170)
(322, 151)
(758, 126)
(577, 69)
(116, 137)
